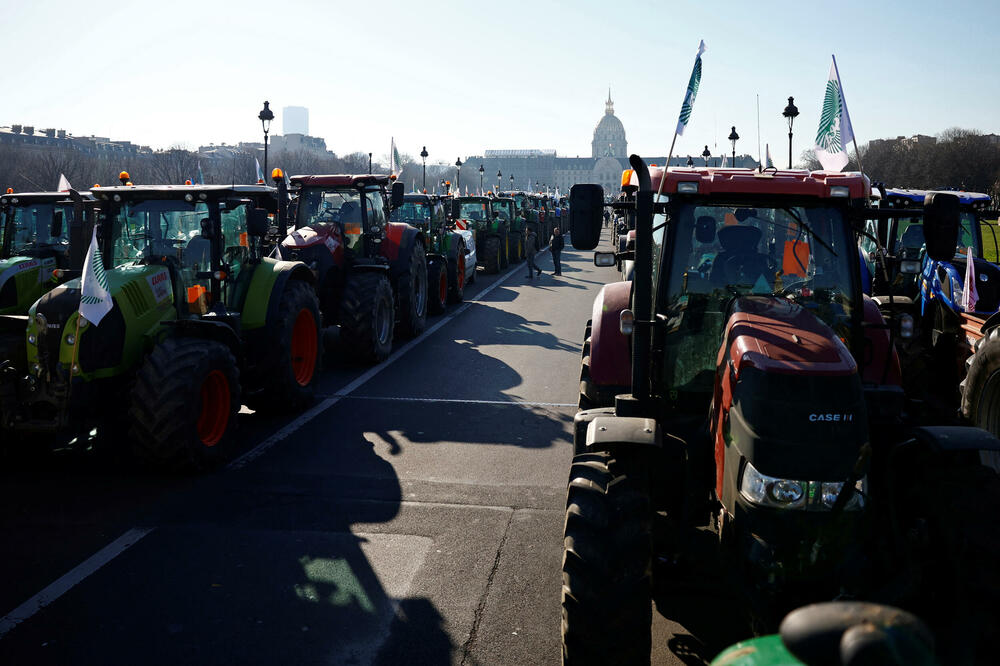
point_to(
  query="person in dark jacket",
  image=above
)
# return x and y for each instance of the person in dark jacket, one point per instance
(530, 248)
(556, 245)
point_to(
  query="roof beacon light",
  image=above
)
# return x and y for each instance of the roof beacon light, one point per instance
(124, 177)
(627, 175)
(10, 190)
(187, 182)
(277, 174)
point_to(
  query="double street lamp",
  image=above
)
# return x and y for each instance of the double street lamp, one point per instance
(706, 154)
(480, 178)
(423, 158)
(499, 176)
(790, 112)
(266, 116)
(690, 162)
(734, 137)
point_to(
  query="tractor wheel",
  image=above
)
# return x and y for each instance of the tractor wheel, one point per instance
(184, 405)
(411, 288)
(296, 349)
(456, 275)
(504, 249)
(607, 565)
(366, 317)
(491, 255)
(981, 386)
(437, 286)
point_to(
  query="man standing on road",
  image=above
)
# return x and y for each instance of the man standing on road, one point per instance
(530, 248)
(556, 245)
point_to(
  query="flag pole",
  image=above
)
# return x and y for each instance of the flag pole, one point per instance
(663, 179)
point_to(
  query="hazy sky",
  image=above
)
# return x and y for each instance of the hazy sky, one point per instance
(461, 77)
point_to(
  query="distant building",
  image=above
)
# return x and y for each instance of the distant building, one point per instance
(52, 139)
(609, 135)
(295, 120)
(297, 143)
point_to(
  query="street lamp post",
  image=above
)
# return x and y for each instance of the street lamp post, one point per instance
(511, 182)
(458, 173)
(423, 158)
(790, 113)
(369, 162)
(499, 176)
(480, 178)
(266, 116)
(706, 154)
(734, 137)
(690, 162)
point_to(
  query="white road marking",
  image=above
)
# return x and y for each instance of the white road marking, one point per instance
(512, 403)
(119, 545)
(71, 578)
(308, 416)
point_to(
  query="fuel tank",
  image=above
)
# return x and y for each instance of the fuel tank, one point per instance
(788, 396)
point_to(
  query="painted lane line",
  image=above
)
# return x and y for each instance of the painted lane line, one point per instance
(306, 417)
(71, 578)
(463, 401)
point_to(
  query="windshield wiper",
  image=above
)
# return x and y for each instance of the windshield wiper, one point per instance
(802, 223)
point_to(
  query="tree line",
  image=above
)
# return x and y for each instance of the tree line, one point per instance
(959, 159)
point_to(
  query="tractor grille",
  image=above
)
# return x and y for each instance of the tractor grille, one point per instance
(133, 294)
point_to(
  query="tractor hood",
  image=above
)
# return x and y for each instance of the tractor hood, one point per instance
(797, 403)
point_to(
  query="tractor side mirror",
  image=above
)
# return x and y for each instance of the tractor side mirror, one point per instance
(941, 220)
(257, 223)
(57, 224)
(396, 199)
(586, 209)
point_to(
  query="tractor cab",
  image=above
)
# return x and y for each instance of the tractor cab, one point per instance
(35, 232)
(424, 211)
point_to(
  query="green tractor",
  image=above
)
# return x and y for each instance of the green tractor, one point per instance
(477, 215)
(447, 251)
(505, 209)
(191, 321)
(36, 254)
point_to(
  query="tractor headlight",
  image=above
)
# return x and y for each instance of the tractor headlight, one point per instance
(32, 339)
(771, 491)
(71, 339)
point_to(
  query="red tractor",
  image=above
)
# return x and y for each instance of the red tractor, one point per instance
(370, 271)
(742, 384)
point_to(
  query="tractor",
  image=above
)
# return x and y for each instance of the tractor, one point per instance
(492, 233)
(447, 251)
(504, 209)
(741, 384)
(370, 272)
(950, 353)
(199, 322)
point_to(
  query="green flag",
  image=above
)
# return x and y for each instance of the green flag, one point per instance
(692, 91)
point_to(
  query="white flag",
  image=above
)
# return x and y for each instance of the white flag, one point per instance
(95, 299)
(260, 172)
(970, 296)
(395, 163)
(835, 130)
(768, 161)
(687, 106)
(64, 185)
(723, 161)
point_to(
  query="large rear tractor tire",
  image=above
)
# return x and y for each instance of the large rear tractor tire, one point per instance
(437, 286)
(456, 275)
(981, 386)
(491, 255)
(184, 405)
(366, 317)
(411, 288)
(296, 347)
(504, 248)
(607, 565)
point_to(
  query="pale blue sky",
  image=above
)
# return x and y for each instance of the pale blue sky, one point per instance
(461, 77)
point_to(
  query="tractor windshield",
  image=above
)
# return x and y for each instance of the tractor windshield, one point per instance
(473, 210)
(413, 212)
(502, 209)
(28, 228)
(145, 229)
(322, 206)
(908, 234)
(801, 253)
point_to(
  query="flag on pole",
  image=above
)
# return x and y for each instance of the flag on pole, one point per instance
(970, 295)
(724, 160)
(95, 299)
(201, 176)
(769, 163)
(260, 172)
(835, 130)
(64, 185)
(692, 91)
(395, 163)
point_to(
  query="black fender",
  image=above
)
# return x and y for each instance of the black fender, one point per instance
(956, 439)
(219, 331)
(298, 271)
(410, 236)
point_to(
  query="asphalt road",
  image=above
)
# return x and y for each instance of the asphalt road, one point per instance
(413, 515)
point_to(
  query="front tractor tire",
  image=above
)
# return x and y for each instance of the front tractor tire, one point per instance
(411, 289)
(981, 386)
(504, 248)
(607, 564)
(491, 255)
(184, 405)
(366, 317)
(290, 375)
(437, 286)
(456, 276)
